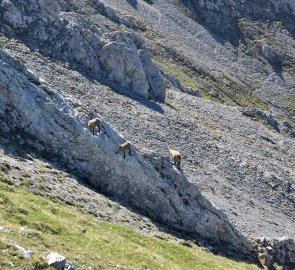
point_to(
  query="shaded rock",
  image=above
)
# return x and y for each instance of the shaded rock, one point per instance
(289, 128)
(191, 198)
(273, 122)
(220, 16)
(70, 266)
(223, 16)
(284, 252)
(259, 114)
(172, 80)
(193, 92)
(272, 56)
(278, 251)
(155, 79)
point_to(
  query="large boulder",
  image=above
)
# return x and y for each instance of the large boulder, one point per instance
(121, 64)
(149, 184)
(154, 77)
(119, 60)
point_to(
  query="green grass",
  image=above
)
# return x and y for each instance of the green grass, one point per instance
(3, 40)
(291, 102)
(249, 99)
(179, 73)
(290, 71)
(233, 93)
(56, 227)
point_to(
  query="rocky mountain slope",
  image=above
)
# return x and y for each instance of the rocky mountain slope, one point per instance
(86, 58)
(53, 127)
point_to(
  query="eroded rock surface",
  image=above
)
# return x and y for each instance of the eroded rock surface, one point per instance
(31, 107)
(223, 16)
(56, 30)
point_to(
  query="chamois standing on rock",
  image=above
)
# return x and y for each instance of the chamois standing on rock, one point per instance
(94, 123)
(175, 156)
(126, 146)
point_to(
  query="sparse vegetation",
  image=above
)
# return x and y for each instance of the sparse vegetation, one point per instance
(102, 245)
(290, 71)
(179, 73)
(231, 93)
(291, 102)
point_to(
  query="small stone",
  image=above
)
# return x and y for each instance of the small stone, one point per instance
(24, 230)
(10, 264)
(28, 254)
(56, 260)
(70, 266)
(3, 229)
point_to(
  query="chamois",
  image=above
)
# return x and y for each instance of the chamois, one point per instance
(126, 146)
(94, 123)
(175, 155)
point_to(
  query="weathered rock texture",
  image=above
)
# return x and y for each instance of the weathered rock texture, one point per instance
(284, 252)
(277, 251)
(223, 16)
(29, 106)
(245, 165)
(114, 58)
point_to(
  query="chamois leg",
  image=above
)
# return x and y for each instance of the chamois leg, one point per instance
(177, 162)
(124, 154)
(129, 151)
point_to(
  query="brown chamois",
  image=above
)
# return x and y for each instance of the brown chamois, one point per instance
(126, 146)
(175, 156)
(94, 123)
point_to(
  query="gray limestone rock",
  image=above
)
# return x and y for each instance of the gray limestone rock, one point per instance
(116, 59)
(284, 252)
(56, 260)
(154, 77)
(164, 195)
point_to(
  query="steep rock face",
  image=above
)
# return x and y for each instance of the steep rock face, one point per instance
(56, 30)
(223, 16)
(220, 16)
(31, 107)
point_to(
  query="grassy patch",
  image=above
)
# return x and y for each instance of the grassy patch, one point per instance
(291, 102)
(171, 104)
(3, 40)
(231, 91)
(87, 242)
(250, 99)
(290, 71)
(184, 76)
